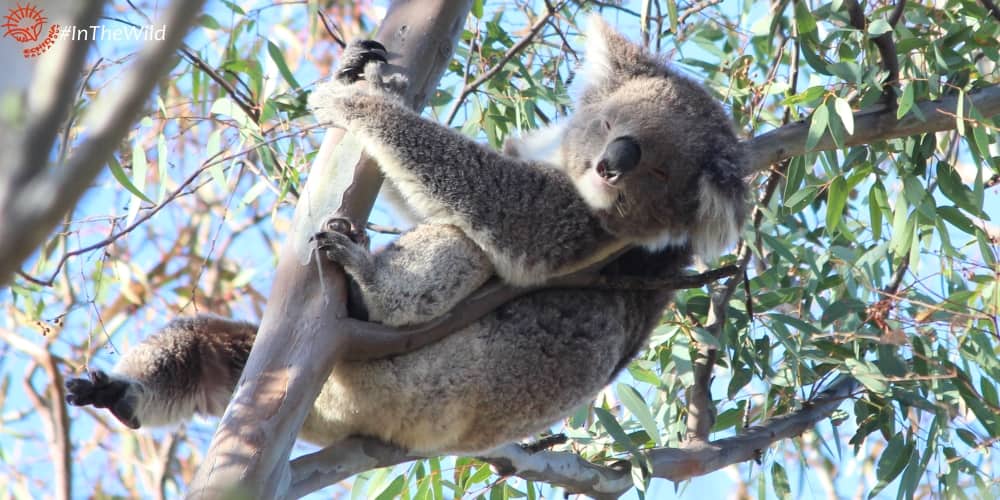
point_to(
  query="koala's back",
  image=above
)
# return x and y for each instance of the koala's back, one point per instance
(505, 377)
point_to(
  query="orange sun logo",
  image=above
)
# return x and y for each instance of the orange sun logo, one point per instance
(24, 23)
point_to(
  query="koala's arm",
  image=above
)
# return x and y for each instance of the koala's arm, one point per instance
(528, 218)
(191, 366)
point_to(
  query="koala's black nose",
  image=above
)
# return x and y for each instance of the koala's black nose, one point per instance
(619, 158)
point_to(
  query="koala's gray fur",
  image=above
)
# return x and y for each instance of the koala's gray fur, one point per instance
(528, 363)
(418, 277)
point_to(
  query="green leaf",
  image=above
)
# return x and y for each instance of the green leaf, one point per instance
(843, 110)
(279, 60)
(208, 22)
(879, 27)
(780, 247)
(836, 200)
(477, 9)
(876, 203)
(672, 13)
(817, 126)
(635, 404)
(982, 145)
(868, 374)
(610, 424)
(891, 463)
(393, 490)
(850, 71)
(119, 174)
(960, 113)
(806, 96)
(213, 147)
(954, 189)
(801, 198)
(779, 478)
(956, 218)
(804, 19)
(905, 102)
(903, 226)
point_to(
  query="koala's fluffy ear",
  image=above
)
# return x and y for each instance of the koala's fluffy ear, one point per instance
(610, 58)
(722, 204)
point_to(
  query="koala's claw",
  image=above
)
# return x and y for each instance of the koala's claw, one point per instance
(345, 226)
(336, 246)
(101, 391)
(356, 56)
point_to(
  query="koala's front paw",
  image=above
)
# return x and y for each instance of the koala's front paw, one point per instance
(356, 57)
(102, 391)
(345, 226)
(366, 60)
(345, 244)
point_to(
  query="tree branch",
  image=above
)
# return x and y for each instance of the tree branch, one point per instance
(570, 471)
(340, 461)
(52, 410)
(513, 51)
(992, 8)
(35, 198)
(885, 45)
(679, 464)
(304, 331)
(871, 125)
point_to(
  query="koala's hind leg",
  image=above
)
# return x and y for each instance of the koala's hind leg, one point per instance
(191, 366)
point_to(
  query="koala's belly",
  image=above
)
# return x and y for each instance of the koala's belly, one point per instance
(503, 378)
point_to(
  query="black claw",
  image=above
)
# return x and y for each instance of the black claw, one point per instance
(345, 226)
(100, 391)
(373, 45)
(358, 54)
(339, 225)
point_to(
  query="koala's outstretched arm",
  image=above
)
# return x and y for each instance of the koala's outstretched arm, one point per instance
(191, 366)
(528, 218)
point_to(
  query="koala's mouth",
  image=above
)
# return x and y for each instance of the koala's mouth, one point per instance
(607, 175)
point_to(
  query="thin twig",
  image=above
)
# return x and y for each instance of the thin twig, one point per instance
(696, 8)
(242, 100)
(214, 160)
(491, 72)
(36, 202)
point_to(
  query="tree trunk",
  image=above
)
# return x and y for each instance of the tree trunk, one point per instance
(304, 331)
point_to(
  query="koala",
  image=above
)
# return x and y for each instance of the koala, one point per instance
(647, 158)
(618, 172)
(648, 162)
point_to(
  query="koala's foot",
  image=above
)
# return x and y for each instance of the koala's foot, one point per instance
(356, 56)
(103, 391)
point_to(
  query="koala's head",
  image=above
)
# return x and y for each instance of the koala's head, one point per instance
(651, 151)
